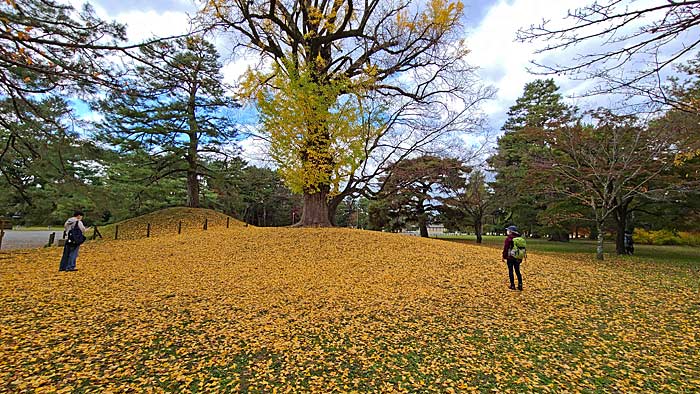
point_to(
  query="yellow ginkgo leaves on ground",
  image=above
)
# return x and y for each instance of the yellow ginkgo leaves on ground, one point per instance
(167, 222)
(335, 310)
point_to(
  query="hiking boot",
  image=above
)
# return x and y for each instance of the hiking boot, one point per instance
(512, 287)
(520, 287)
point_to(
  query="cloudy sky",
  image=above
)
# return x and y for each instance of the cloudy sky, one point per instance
(490, 29)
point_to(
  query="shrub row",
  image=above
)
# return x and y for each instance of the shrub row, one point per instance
(666, 237)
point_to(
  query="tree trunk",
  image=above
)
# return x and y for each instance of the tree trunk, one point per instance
(477, 230)
(192, 189)
(315, 210)
(423, 229)
(192, 153)
(192, 179)
(422, 220)
(599, 248)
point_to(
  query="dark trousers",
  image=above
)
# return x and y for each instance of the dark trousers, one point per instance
(68, 260)
(514, 264)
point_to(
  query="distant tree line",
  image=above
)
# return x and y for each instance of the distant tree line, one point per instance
(558, 172)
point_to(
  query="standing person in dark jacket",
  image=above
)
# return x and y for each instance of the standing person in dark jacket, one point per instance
(629, 243)
(70, 252)
(513, 263)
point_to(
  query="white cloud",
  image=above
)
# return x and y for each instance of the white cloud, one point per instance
(503, 61)
(254, 151)
(142, 25)
(235, 68)
(146, 23)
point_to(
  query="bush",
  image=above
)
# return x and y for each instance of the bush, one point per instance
(692, 239)
(666, 237)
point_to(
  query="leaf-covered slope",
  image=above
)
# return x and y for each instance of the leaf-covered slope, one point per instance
(336, 310)
(165, 222)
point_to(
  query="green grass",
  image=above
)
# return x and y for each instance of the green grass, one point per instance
(682, 256)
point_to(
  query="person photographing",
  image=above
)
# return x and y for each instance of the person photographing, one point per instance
(73, 233)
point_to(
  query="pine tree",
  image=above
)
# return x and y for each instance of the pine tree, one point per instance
(540, 107)
(467, 204)
(173, 106)
(410, 192)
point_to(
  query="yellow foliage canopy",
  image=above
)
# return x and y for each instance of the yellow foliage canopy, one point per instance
(328, 60)
(317, 129)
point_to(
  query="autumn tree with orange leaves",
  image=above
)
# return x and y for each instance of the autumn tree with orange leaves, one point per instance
(606, 165)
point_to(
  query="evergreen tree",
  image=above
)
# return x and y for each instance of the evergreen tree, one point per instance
(48, 50)
(253, 194)
(50, 47)
(353, 212)
(410, 192)
(174, 107)
(46, 173)
(467, 205)
(540, 107)
(131, 186)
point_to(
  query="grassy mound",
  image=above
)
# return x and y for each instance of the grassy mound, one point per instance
(337, 310)
(165, 222)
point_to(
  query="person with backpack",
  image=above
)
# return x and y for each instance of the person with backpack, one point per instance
(73, 234)
(514, 252)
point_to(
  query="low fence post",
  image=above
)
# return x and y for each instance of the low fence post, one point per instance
(179, 227)
(227, 220)
(95, 231)
(52, 237)
(148, 230)
(206, 224)
(2, 235)
(116, 231)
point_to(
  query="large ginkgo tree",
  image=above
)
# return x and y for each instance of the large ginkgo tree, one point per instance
(347, 87)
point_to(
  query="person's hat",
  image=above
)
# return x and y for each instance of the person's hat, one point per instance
(512, 228)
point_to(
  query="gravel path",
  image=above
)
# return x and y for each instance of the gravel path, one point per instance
(27, 239)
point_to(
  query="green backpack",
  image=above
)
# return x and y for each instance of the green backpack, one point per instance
(519, 251)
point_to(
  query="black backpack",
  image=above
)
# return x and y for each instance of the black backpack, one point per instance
(75, 236)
